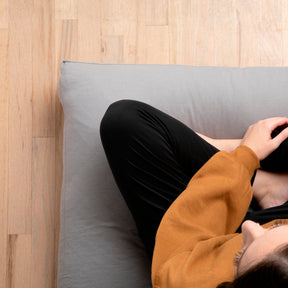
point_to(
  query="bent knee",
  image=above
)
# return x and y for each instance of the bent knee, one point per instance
(120, 119)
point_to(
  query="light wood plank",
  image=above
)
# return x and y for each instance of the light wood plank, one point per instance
(66, 9)
(19, 261)
(152, 41)
(43, 70)
(204, 44)
(89, 31)
(192, 36)
(248, 21)
(112, 49)
(284, 7)
(272, 15)
(271, 48)
(3, 14)
(66, 43)
(115, 10)
(271, 38)
(119, 23)
(249, 46)
(285, 33)
(20, 116)
(181, 24)
(43, 213)
(285, 48)
(153, 45)
(153, 12)
(3, 154)
(226, 31)
(250, 13)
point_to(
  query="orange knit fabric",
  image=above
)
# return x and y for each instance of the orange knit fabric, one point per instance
(196, 241)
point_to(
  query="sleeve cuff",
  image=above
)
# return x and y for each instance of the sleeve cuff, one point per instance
(248, 158)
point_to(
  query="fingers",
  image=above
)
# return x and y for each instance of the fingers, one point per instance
(276, 122)
(265, 136)
(280, 138)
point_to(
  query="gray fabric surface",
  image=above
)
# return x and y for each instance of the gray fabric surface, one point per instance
(99, 245)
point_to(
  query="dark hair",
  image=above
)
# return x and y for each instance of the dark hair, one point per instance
(270, 272)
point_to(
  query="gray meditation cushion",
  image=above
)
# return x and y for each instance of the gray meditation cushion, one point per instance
(99, 245)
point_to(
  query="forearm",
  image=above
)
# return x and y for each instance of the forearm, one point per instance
(228, 145)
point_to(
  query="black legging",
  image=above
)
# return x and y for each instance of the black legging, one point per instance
(153, 157)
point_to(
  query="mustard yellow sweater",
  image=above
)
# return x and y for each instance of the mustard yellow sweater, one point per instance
(196, 241)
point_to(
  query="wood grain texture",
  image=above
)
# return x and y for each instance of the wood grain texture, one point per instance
(226, 33)
(119, 31)
(154, 13)
(248, 20)
(89, 31)
(43, 213)
(4, 14)
(151, 39)
(192, 32)
(3, 154)
(66, 9)
(20, 116)
(19, 261)
(35, 36)
(43, 43)
(271, 38)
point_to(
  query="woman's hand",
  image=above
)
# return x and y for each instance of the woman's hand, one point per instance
(258, 136)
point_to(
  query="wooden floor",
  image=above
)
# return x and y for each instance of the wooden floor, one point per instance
(36, 35)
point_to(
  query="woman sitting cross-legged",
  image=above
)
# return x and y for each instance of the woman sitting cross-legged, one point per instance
(210, 212)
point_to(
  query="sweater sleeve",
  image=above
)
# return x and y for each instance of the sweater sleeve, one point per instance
(213, 204)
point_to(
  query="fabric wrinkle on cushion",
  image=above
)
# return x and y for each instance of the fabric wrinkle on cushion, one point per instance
(99, 245)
